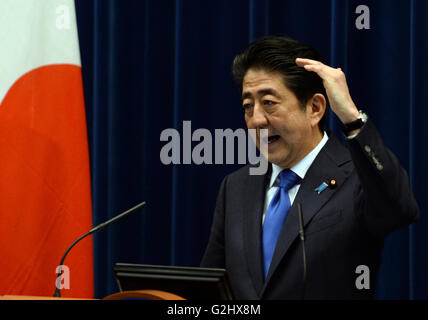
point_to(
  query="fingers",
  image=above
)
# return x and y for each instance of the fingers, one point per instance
(311, 65)
(302, 62)
(318, 67)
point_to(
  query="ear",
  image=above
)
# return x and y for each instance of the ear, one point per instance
(316, 108)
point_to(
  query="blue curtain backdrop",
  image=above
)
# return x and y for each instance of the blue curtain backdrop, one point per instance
(150, 65)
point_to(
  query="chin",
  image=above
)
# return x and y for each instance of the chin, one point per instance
(278, 162)
(278, 158)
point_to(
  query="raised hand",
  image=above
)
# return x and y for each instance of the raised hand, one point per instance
(334, 81)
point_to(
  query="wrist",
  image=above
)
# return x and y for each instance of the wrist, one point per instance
(353, 127)
(350, 115)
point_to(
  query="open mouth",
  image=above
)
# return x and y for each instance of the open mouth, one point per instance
(272, 139)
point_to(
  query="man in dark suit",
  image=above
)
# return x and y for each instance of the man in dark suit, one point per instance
(351, 197)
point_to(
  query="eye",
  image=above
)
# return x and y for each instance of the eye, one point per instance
(268, 103)
(247, 106)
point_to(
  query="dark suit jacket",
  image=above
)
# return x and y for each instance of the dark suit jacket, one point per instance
(344, 226)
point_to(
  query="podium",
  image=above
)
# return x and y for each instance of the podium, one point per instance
(191, 283)
(18, 297)
(136, 294)
(154, 282)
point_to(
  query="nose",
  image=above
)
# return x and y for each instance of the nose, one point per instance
(258, 119)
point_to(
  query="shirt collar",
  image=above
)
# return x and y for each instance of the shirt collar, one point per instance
(303, 165)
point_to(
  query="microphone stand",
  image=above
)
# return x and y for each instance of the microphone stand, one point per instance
(302, 238)
(93, 230)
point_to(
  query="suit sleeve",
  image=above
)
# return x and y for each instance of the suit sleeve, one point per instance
(384, 199)
(214, 256)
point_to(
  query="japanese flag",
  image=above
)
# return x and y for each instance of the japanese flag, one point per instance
(45, 194)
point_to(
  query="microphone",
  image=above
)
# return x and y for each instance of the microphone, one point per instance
(302, 238)
(93, 230)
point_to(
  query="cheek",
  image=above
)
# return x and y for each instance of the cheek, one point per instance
(293, 127)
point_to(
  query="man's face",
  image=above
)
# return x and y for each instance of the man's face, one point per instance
(269, 104)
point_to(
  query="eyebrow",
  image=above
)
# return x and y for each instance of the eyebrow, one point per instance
(261, 93)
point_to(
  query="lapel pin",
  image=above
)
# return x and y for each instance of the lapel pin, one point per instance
(321, 187)
(333, 183)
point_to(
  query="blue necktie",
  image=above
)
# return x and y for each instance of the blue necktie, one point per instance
(276, 214)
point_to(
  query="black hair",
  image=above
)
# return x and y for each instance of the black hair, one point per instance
(278, 54)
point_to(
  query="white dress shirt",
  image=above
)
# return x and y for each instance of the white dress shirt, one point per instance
(300, 169)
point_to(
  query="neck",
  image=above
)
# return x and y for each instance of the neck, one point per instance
(316, 138)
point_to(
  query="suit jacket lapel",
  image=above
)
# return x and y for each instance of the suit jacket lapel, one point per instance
(325, 167)
(253, 210)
